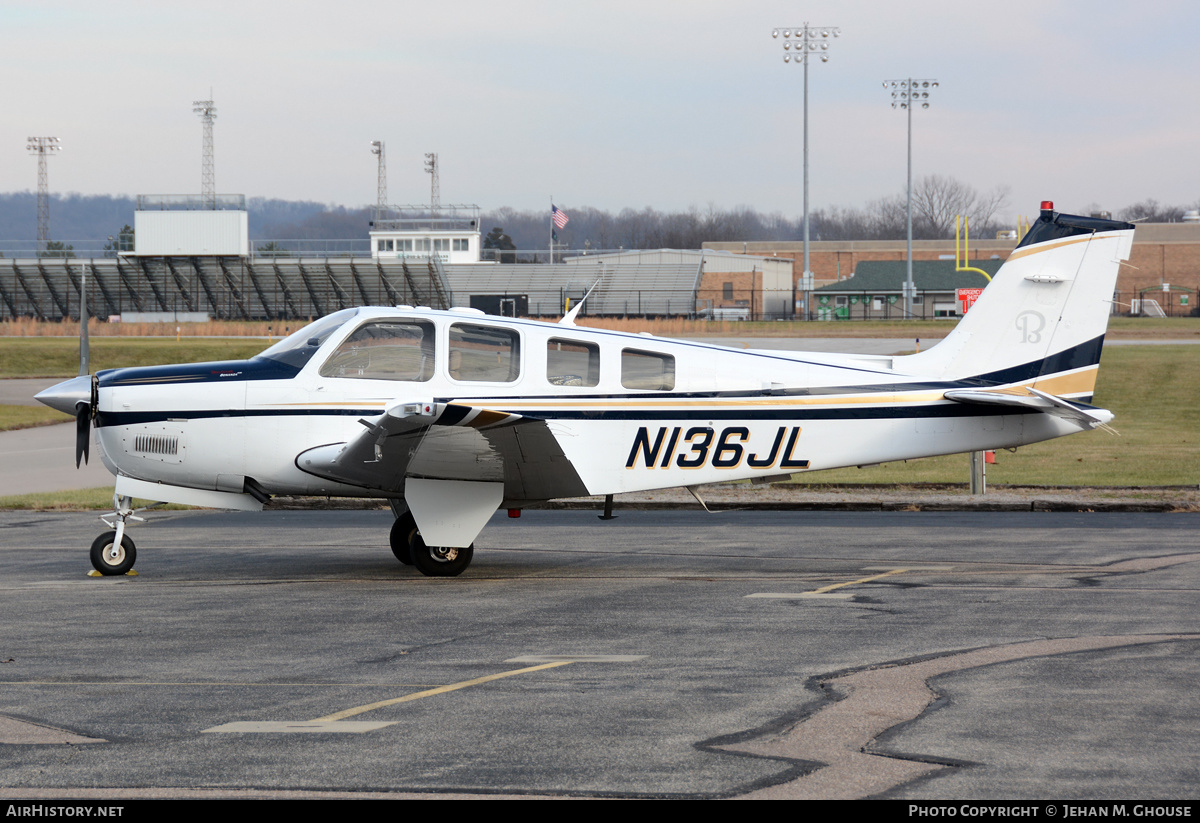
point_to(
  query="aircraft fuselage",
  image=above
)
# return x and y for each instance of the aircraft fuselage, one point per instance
(707, 414)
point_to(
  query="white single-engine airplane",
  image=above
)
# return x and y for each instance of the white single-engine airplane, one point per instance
(452, 414)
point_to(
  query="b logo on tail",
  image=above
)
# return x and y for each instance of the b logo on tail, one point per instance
(1031, 324)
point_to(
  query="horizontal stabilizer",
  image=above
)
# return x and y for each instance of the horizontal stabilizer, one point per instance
(1035, 400)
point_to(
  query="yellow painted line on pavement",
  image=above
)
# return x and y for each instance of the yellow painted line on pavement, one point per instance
(826, 589)
(439, 690)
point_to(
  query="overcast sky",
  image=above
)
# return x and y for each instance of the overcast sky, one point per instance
(610, 104)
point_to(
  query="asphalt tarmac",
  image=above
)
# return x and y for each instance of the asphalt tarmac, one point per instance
(968, 655)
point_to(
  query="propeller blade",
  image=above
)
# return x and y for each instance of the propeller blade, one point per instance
(83, 426)
(84, 347)
(83, 410)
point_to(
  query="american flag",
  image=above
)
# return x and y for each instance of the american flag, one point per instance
(559, 217)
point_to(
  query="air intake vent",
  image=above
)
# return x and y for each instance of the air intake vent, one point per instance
(165, 444)
(156, 444)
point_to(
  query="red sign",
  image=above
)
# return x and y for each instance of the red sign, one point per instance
(967, 298)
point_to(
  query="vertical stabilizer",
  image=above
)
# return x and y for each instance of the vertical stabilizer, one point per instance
(1042, 319)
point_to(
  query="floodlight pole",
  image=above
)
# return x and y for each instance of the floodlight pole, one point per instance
(435, 186)
(809, 40)
(43, 147)
(207, 110)
(905, 93)
(379, 149)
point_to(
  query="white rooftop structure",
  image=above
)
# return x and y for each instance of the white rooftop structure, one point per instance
(449, 235)
(186, 225)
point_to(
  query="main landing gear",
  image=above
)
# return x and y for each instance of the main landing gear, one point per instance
(113, 553)
(431, 561)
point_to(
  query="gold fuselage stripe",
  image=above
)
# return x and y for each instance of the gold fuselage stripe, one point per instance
(1082, 381)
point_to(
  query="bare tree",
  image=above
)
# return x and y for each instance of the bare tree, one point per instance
(884, 219)
(888, 217)
(1150, 211)
(938, 200)
(986, 206)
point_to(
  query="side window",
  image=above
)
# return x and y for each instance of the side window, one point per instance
(484, 354)
(385, 350)
(572, 363)
(647, 370)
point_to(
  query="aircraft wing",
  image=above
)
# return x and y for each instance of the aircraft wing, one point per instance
(450, 441)
(1085, 418)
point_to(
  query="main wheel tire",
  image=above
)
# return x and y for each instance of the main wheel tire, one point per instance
(439, 561)
(401, 537)
(104, 562)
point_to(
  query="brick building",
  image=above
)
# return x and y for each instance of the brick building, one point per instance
(1163, 253)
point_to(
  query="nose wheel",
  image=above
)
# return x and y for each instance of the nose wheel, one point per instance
(110, 557)
(113, 552)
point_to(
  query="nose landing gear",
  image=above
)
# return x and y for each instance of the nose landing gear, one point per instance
(113, 553)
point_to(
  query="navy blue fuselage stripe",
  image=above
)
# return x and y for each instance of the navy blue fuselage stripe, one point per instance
(1076, 357)
(106, 419)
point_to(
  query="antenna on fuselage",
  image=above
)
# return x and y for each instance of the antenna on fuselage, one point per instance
(569, 317)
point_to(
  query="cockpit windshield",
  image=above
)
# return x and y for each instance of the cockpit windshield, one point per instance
(296, 349)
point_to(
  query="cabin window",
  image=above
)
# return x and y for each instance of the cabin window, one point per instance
(727, 291)
(403, 245)
(385, 245)
(424, 244)
(572, 363)
(385, 350)
(462, 245)
(484, 354)
(441, 244)
(647, 370)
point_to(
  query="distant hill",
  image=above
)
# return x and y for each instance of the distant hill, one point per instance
(87, 221)
(72, 216)
(92, 218)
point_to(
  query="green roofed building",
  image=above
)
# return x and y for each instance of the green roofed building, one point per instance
(875, 291)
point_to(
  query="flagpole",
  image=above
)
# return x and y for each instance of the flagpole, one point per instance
(558, 220)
